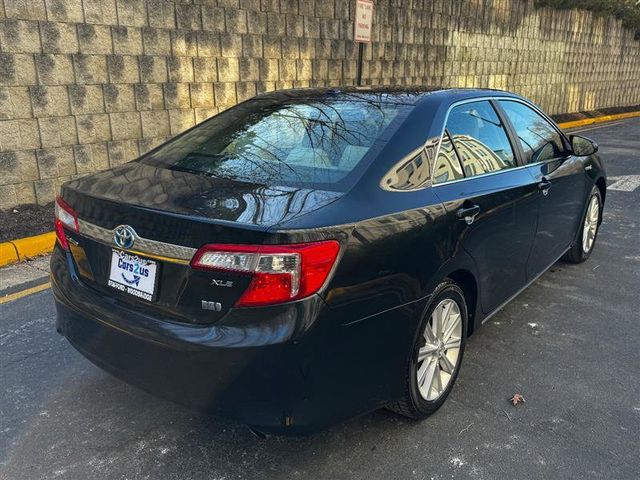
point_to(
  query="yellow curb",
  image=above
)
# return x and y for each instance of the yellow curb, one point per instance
(604, 118)
(24, 248)
(8, 253)
(15, 296)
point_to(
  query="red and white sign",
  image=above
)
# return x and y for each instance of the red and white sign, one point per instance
(364, 20)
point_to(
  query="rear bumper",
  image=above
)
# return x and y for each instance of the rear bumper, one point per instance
(248, 371)
(289, 369)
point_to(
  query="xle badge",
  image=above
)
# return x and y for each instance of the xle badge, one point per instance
(221, 283)
(215, 306)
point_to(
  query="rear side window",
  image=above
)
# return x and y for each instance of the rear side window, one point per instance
(540, 141)
(447, 166)
(316, 142)
(479, 138)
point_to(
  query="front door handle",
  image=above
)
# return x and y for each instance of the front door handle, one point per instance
(544, 186)
(468, 214)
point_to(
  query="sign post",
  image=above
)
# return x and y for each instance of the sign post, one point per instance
(362, 31)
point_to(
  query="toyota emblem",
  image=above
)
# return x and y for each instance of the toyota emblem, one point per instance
(124, 236)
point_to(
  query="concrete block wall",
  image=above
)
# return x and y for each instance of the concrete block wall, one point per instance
(90, 84)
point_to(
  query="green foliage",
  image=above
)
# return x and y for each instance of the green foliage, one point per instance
(626, 10)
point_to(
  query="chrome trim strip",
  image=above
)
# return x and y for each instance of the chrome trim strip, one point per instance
(166, 251)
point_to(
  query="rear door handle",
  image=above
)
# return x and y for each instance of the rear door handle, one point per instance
(468, 214)
(544, 186)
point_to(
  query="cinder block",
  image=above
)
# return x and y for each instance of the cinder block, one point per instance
(45, 191)
(225, 94)
(122, 152)
(228, 69)
(180, 69)
(287, 69)
(236, 20)
(203, 113)
(15, 103)
(231, 45)
(49, 101)
(90, 69)
(86, 99)
(155, 123)
(184, 43)
(181, 119)
(252, 46)
(25, 193)
(153, 69)
(176, 95)
(119, 98)
(149, 97)
(307, 48)
(100, 11)
(125, 125)
(147, 144)
(123, 69)
(19, 36)
(205, 69)
(93, 128)
(295, 25)
(94, 39)
(91, 158)
(162, 14)
(188, 16)
(57, 131)
(132, 13)
(290, 48)
(272, 47)
(55, 162)
(324, 9)
(208, 45)
(304, 70)
(58, 37)
(18, 166)
(202, 95)
(268, 69)
(127, 40)
(65, 11)
(249, 69)
(8, 196)
(17, 69)
(212, 18)
(25, 9)
(276, 25)
(54, 69)
(245, 90)
(156, 41)
(257, 23)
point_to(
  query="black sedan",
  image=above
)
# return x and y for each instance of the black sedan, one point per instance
(311, 255)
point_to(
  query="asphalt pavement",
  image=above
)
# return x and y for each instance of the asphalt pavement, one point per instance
(569, 344)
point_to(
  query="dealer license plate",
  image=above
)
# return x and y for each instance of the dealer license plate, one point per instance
(133, 274)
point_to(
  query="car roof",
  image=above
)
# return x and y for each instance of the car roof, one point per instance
(412, 95)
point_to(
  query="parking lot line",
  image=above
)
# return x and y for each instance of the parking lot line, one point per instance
(23, 293)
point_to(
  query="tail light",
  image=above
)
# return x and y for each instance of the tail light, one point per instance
(65, 217)
(280, 273)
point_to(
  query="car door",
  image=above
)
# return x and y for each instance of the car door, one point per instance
(561, 180)
(489, 197)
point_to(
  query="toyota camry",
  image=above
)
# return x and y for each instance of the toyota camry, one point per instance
(311, 255)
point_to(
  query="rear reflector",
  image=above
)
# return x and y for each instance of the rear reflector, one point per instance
(280, 273)
(65, 217)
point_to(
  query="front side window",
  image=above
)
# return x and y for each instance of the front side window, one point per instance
(540, 141)
(479, 138)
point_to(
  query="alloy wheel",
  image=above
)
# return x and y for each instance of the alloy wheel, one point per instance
(590, 224)
(439, 356)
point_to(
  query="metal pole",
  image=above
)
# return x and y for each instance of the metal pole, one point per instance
(359, 66)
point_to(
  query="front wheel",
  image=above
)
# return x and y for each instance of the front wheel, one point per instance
(436, 353)
(583, 247)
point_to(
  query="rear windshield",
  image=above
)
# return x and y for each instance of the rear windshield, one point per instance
(318, 142)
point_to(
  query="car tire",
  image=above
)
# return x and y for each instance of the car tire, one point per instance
(582, 248)
(419, 400)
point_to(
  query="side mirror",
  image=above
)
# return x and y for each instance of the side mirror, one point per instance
(582, 146)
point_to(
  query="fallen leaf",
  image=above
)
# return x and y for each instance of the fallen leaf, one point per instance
(517, 398)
